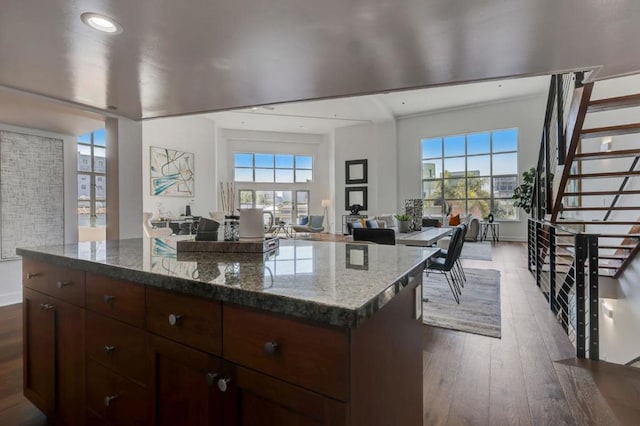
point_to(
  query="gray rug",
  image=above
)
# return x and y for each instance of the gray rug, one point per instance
(476, 250)
(479, 308)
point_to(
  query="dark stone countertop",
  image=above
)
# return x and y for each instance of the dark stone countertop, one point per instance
(339, 284)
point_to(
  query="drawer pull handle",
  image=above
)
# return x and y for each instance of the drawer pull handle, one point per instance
(61, 284)
(109, 349)
(270, 348)
(108, 299)
(46, 307)
(174, 319)
(30, 275)
(108, 399)
(223, 384)
(211, 378)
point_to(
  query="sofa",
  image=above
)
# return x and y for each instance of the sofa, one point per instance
(385, 221)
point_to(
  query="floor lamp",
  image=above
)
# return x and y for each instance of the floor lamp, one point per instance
(326, 204)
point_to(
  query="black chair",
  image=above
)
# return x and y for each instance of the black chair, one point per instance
(459, 270)
(375, 235)
(444, 265)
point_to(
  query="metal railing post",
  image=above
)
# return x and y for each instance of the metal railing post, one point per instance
(581, 257)
(560, 117)
(594, 307)
(552, 269)
(538, 253)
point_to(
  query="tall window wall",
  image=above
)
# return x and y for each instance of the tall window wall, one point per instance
(92, 182)
(473, 173)
(274, 182)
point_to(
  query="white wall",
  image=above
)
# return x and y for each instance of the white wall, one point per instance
(11, 270)
(375, 142)
(317, 146)
(527, 114)
(192, 134)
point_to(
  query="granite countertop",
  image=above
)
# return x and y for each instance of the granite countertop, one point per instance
(340, 284)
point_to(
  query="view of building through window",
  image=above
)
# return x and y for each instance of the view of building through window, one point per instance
(272, 168)
(474, 173)
(92, 182)
(286, 206)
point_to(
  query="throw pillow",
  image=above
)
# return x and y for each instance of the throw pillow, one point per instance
(454, 220)
(372, 223)
(303, 220)
(363, 222)
(388, 220)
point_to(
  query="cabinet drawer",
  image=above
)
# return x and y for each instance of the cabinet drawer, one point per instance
(117, 345)
(62, 283)
(118, 299)
(114, 397)
(308, 355)
(192, 321)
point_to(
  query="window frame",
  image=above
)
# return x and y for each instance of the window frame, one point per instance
(295, 168)
(467, 201)
(294, 200)
(93, 175)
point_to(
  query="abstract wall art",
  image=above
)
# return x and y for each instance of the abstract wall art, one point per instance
(172, 172)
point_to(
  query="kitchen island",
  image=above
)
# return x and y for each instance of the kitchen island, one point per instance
(135, 332)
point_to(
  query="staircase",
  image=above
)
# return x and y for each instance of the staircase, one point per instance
(597, 192)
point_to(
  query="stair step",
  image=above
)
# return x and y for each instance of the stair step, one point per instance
(618, 102)
(605, 246)
(605, 174)
(599, 132)
(598, 222)
(608, 267)
(611, 256)
(606, 155)
(593, 209)
(599, 193)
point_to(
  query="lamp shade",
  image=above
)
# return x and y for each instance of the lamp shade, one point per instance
(326, 203)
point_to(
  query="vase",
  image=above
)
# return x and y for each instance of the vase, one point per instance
(232, 228)
(403, 226)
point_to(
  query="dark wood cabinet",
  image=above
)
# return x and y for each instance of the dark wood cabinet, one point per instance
(254, 399)
(54, 373)
(184, 385)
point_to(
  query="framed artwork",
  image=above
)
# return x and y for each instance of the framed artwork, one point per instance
(355, 171)
(172, 172)
(355, 195)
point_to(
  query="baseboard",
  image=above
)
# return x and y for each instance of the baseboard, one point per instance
(10, 298)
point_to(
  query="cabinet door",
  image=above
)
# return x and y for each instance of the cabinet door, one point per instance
(184, 387)
(39, 356)
(254, 399)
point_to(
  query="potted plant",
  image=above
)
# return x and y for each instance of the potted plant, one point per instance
(404, 220)
(523, 194)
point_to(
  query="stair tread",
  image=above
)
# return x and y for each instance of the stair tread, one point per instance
(589, 208)
(598, 222)
(606, 155)
(618, 102)
(605, 174)
(598, 193)
(622, 129)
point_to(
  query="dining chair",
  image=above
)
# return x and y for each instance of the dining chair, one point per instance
(445, 265)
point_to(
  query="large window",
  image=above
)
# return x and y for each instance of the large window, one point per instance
(272, 168)
(92, 184)
(285, 205)
(474, 173)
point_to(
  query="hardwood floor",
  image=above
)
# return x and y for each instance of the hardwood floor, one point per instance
(529, 377)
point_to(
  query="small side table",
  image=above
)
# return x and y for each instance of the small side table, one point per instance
(492, 228)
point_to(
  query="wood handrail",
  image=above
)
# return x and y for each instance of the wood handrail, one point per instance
(575, 121)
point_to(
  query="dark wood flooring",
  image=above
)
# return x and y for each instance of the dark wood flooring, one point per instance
(529, 377)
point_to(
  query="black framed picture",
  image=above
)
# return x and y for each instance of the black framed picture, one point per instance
(355, 195)
(355, 171)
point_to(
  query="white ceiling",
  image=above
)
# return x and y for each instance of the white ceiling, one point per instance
(322, 117)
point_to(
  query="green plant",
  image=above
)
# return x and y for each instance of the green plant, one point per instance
(523, 194)
(403, 217)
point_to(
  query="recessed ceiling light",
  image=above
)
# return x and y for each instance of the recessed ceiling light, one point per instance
(101, 23)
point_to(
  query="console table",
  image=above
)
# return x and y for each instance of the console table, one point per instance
(350, 218)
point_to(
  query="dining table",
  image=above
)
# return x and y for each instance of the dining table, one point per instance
(424, 238)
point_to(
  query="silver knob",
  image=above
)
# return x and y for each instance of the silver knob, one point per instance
(46, 307)
(61, 284)
(30, 275)
(270, 348)
(109, 349)
(223, 384)
(174, 319)
(107, 298)
(108, 399)
(211, 378)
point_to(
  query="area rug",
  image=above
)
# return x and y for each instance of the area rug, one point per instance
(479, 308)
(476, 250)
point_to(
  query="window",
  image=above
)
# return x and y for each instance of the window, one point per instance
(272, 168)
(92, 181)
(474, 173)
(285, 205)
(295, 260)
